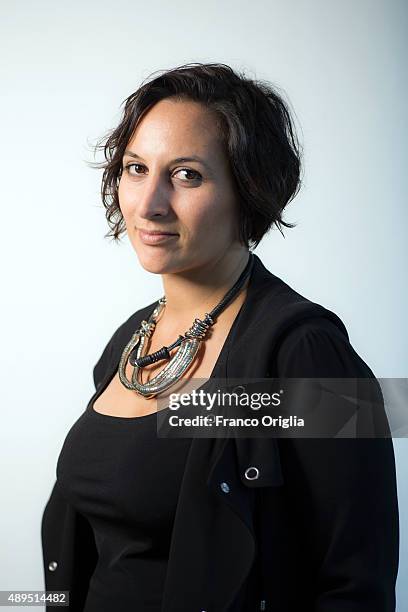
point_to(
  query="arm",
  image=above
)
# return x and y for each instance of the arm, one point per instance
(343, 490)
(67, 540)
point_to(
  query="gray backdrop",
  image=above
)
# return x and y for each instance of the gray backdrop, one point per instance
(65, 68)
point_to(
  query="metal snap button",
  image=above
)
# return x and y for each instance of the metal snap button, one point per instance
(255, 473)
(224, 486)
(52, 566)
(238, 387)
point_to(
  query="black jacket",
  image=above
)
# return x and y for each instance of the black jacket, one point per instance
(316, 531)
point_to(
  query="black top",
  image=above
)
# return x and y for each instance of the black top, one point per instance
(125, 480)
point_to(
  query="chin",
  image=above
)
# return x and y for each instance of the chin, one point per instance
(156, 260)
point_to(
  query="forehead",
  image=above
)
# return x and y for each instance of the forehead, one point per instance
(179, 127)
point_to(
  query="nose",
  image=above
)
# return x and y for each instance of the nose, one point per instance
(153, 199)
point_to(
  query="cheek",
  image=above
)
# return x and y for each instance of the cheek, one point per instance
(214, 220)
(124, 202)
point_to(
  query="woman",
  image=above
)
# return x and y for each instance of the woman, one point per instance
(202, 165)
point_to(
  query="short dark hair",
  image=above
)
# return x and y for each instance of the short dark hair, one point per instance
(257, 129)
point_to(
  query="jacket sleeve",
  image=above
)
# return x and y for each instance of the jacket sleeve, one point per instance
(343, 489)
(69, 550)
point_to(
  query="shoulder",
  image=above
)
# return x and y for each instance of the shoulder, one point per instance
(317, 347)
(307, 339)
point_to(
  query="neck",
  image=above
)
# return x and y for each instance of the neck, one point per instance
(193, 292)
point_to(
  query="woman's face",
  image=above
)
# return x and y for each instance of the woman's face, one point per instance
(193, 199)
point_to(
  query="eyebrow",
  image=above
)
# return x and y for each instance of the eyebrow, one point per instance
(177, 160)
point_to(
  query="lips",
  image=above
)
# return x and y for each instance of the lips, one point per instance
(155, 236)
(157, 232)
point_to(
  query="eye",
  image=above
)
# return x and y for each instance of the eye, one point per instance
(195, 175)
(127, 168)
